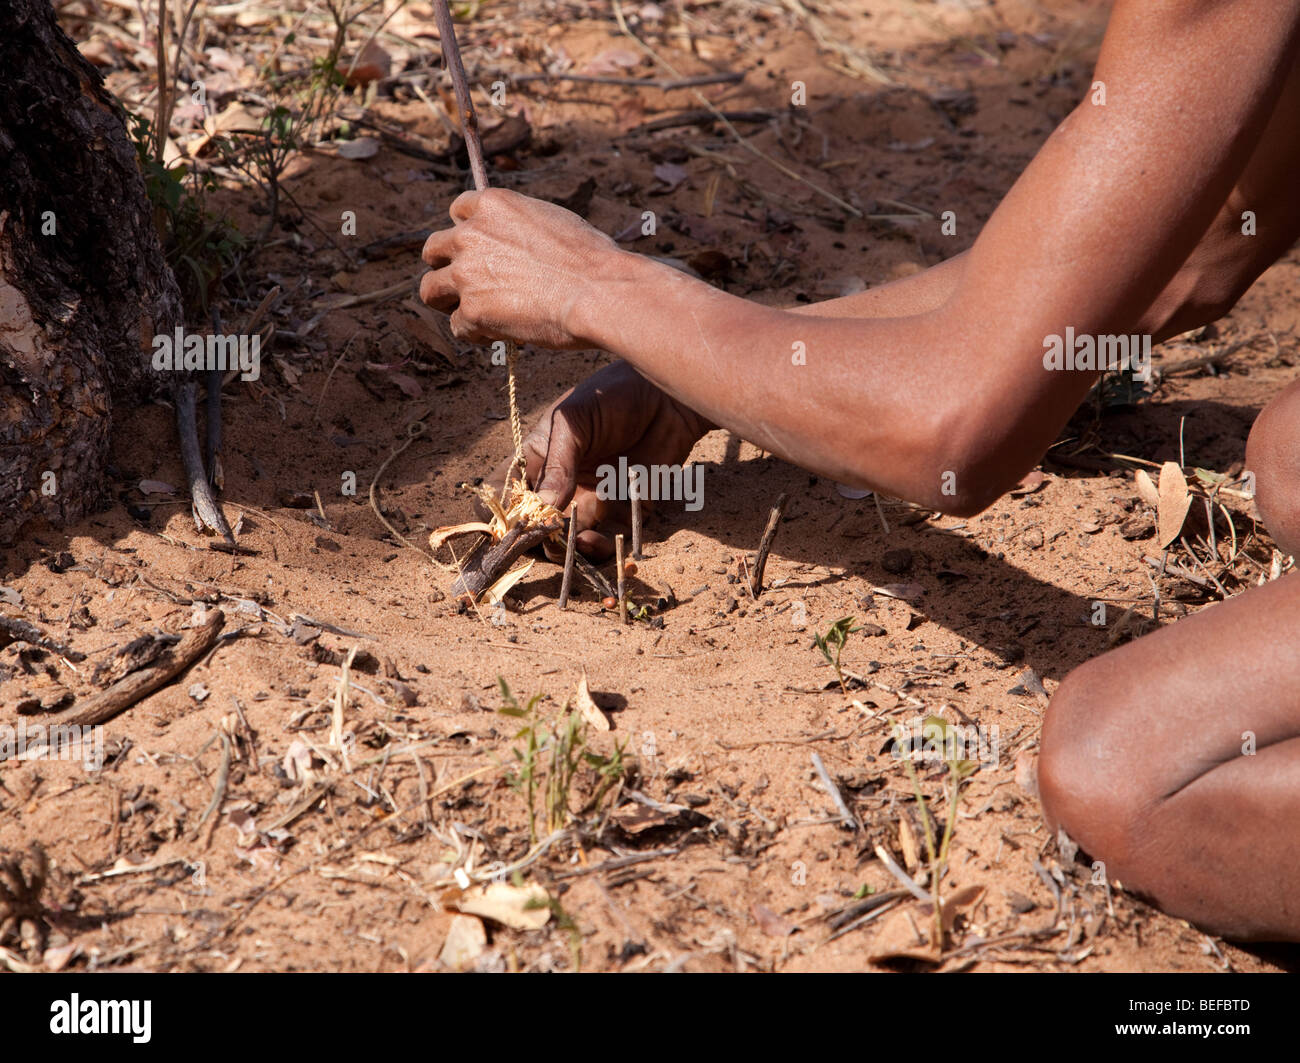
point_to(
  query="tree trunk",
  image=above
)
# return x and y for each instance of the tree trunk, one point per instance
(84, 285)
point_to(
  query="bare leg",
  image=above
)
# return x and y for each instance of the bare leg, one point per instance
(1175, 761)
(1273, 455)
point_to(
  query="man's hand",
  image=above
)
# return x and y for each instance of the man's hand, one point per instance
(614, 413)
(514, 268)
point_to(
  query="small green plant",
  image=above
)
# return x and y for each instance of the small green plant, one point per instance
(832, 646)
(553, 760)
(938, 845)
(201, 247)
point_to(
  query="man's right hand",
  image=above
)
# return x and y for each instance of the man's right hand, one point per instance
(614, 413)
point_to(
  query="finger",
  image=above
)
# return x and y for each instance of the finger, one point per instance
(595, 545)
(463, 206)
(437, 290)
(463, 330)
(559, 475)
(438, 248)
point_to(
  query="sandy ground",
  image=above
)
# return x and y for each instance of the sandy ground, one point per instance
(719, 700)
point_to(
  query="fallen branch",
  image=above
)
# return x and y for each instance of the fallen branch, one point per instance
(174, 660)
(14, 629)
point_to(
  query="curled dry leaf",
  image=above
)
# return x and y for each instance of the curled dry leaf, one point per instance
(450, 531)
(373, 64)
(906, 591)
(586, 705)
(1146, 488)
(1175, 502)
(518, 907)
(907, 933)
(297, 762)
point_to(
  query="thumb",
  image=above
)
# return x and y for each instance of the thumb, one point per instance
(559, 469)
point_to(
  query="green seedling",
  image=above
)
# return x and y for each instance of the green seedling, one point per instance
(553, 761)
(832, 645)
(937, 845)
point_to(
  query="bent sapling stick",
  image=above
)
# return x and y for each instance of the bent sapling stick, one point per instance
(765, 546)
(489, 561)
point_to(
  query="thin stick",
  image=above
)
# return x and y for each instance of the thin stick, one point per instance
(569, 547)
(833, 791)
(622, 579)
(474, 149)
(765, 545)
(634, 496)
(249, 733)
(211, 813)
(663, 84)
(904, 879)
(460, 85)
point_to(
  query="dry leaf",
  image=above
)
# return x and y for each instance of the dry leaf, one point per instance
(906, 933)
(907, 843)
(297, 762)
(671, 174)
(518, 907)
(58, 957)
(373, 64)
(582, 699)
(1147, 489)
(497, 592)
(639, 818)
(1175, 501)
(466, 940)
(905, 591)
(958, 903)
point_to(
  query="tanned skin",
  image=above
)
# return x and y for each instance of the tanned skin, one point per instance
(1129, 220)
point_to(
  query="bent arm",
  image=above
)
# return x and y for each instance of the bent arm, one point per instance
(1090, 236)
(1207, 285)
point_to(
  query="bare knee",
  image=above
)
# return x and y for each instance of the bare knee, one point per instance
(1273, 455)
(1086, 781)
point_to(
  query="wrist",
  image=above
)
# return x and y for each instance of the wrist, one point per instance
(605, 304)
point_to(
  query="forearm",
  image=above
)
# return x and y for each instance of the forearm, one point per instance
(818, 391)
(1098, 226)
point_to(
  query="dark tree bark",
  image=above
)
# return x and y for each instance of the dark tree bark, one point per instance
(84, 284)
